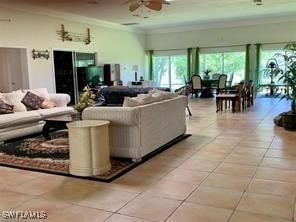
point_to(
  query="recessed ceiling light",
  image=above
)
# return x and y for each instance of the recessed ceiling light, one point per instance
(258, 2)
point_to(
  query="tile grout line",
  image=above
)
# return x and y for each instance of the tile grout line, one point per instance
(247, 187)
(183, 201)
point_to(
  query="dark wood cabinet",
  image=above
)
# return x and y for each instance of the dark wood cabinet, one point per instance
(63, 68)
(111, 73)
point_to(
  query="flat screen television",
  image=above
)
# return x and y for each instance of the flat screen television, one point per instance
(95, 76)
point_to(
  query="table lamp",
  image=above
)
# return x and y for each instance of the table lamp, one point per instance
(135, 69)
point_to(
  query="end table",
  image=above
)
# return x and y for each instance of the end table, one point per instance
(89, 147)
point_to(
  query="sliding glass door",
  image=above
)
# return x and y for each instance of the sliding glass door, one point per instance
(169, 70)
(227, 62)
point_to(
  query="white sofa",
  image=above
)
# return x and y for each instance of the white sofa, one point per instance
(25, 123)
(137, 131)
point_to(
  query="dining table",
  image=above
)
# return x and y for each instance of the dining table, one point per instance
(207, 85)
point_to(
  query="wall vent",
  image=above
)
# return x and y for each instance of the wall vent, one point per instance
(131, 23)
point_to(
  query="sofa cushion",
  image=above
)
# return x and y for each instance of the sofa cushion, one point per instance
(18, 118)
(14, 98)
(12, 132)
(60, 99)
(32, 101)
(158, 95)
(56, 111)
(114, 95)
(42, 92)
(141, 99)
(5, 108)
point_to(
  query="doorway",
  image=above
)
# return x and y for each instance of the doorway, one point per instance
(14, 73)
(71, 72)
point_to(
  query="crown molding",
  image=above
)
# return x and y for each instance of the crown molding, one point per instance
(180, 27)
(72, 17)
(223, 24)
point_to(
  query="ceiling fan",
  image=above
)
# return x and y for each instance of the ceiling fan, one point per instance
(155, 5)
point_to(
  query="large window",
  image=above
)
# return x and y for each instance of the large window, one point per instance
(169, 70)
(224, 61)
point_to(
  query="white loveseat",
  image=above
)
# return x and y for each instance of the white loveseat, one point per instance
(25, 123)
(137, 131)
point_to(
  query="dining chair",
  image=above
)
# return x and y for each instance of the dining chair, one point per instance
(185, 91)
(229, 81)
(196, 86)
(250, 93)
(215, 76)
(241, 92)
(221, 84)
(214, 80)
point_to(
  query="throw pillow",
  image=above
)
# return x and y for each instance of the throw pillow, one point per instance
(48, 104)
(42, 92)
(5, 108)
(159, 95)
(14, 98)
(32, 101)
(137, 101)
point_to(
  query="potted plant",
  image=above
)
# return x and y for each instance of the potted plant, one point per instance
(86, 99)
(206, 73)
(289, 78)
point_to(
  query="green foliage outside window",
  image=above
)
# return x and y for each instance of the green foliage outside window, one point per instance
(169, 71)
(226, 63)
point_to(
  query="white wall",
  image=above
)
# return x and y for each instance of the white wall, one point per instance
(263, 33)
(40, 33)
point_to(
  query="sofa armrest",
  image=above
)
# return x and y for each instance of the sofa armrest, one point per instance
(60, 99)
(116, 115)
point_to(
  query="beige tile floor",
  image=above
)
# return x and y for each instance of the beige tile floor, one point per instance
(236, 167)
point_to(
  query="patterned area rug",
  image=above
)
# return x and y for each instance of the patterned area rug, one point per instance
(52, 156)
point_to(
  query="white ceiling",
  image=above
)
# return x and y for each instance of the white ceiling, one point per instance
(179, 14)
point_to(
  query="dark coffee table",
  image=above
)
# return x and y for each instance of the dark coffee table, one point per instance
(58, 123)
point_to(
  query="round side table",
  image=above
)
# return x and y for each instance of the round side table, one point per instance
(89, 147)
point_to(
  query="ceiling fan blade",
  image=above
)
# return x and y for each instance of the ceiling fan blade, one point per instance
(161, 2)
(154, 5)
(134, 6)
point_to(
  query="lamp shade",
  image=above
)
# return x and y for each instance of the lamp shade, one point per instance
(271, 63)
